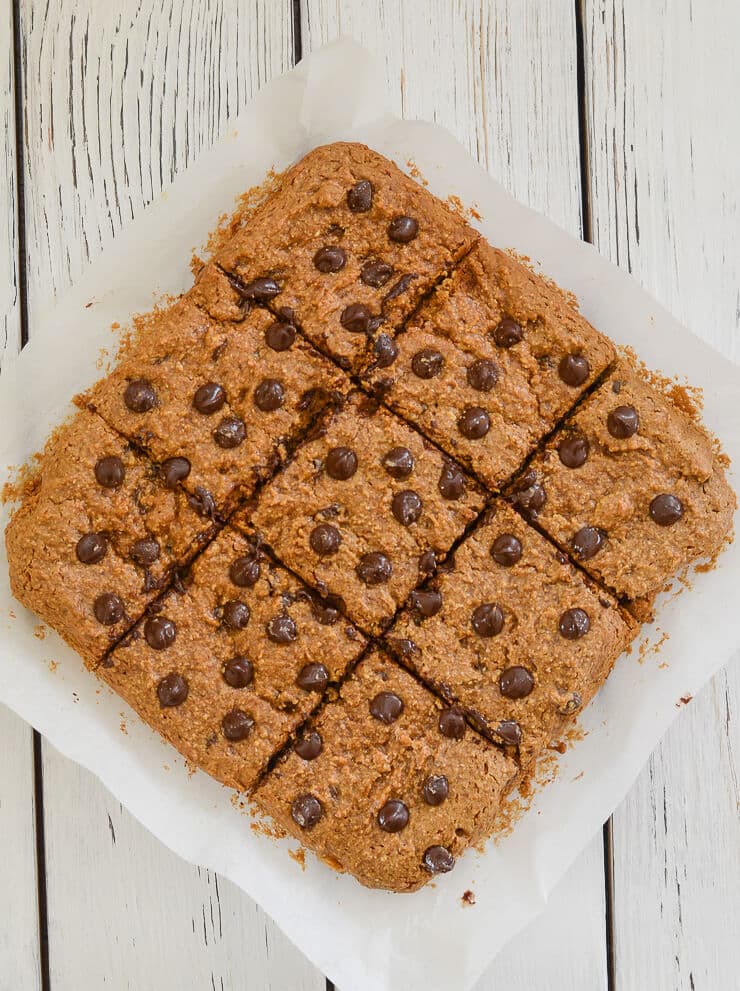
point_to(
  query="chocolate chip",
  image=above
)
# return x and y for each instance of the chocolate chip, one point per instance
(341, 463)
(398, 462)
(573, 451)
(487, 619)
(245, 571)
(230, 432)
(400, 287)
(145, 551)
(438, 860)
(474, 423)
(427, 363)
(332, 258)
(356, 318)
(259, 290)
(386, 351)
(140, 396)
(406, 507)
(570, 704)
(282, 629)
(374, 569)
(239, 672)
(452, 723)
(508, 333)
(666, 509)
(387, 707)
(574, 369)
(360, 197)
(623, 422)
(509, 732)
(427, 563)
(108, 609)
(172, 690)
(325, 540)
(482, 375)
(588, 541)
(159, 632)
(236, 614)
(91, 548)
(531, 497)
(174, 471)
(310, 746)
(269, 395)
(209, 398)
(515, 682)
(506, 550)
(202, 501)
(394, 816)
(109, 472)
(307, 810)
(574, 624)
(237, 725)
(426, 603)
(280, 335)
(375, 273)
(312, 678)
(436, 789)
(451, 482)
(403, 229)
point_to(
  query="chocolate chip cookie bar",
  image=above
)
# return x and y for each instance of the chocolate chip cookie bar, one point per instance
(631, 488)
(219, 410)
(513, 633)
(490, 362)
(226, 667)
(386, 782)
(364, 510)
(98, 535)
(347, 246)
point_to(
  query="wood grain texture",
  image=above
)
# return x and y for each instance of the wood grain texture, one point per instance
(663, 82)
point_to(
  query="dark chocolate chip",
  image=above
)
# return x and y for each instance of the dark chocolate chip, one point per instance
(506, 550)
(91, 548)
(588, 541)
(387, 707)
(452, 723)
(573, 451)
(508, 333)
(356, 318)
(623, 422)
(398, 462)
(360, 197)
(140, 396)
(245, 571)
(237, 725)
(427, 563)
(474, 423)
(374, 569)
(574, 624)
(239, 672)
(108, 609)
(436, 789)
(259, 290)
(666, 509)
(487, 619)
(403, 229)
(269, 395)
(172, 690)
(515, 682)
(509, 732)
(160, 632)
(616, 387)
(574, 369)
(307, 810)
(570, 704)
(174, 471)
(209, 398)
(109, 472)
(236, 614)
(400, 287)
(145, 551)
(282, 629)
(386, 351)
(280, 335)
(312, 678)
(406, 507)
(325, 540)
(426, 602)
(427, 363)
(482, 375)
(531, 497)
(231, 432)
(202, 501)
(332, 258)
(341, 463)
(375, 273)
(309, 746)
(451, 482)
(438, 860)
(394, 816)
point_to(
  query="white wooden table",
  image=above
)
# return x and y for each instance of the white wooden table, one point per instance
(617, 118)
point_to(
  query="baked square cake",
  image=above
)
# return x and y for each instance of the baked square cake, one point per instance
(361, 521)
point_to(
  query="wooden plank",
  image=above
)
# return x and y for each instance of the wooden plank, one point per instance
(118, 98)
(504, 82)
(662, 81)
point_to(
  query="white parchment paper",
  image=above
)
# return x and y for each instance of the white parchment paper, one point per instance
(362, 939)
